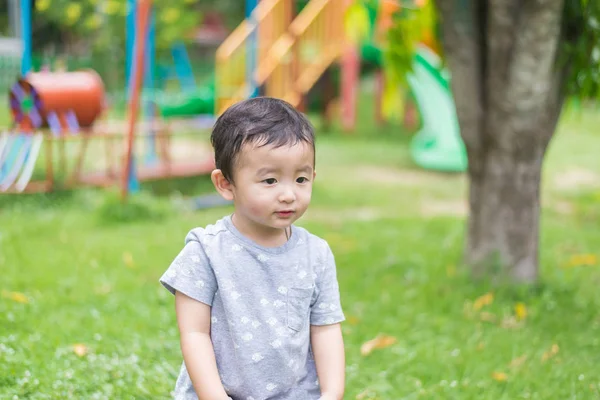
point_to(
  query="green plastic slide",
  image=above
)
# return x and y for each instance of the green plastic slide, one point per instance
(200, 101)
(437, 145)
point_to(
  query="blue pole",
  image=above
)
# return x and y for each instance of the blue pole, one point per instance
(149, 87)
(26, 36)
(130, 24)
(251, 50)
(129, 40)
(183, 67)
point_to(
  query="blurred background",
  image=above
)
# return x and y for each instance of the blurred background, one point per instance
(458, 185)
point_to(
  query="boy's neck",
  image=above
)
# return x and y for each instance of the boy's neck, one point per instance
(262, 235)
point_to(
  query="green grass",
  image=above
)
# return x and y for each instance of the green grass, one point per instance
(89, 271)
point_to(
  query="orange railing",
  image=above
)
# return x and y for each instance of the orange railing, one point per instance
(291, 55)
(268, 22)
(314, 41)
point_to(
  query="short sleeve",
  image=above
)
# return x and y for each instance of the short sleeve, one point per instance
(191, 273)
(326, 309)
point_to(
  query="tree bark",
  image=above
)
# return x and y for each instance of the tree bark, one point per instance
(502, 56)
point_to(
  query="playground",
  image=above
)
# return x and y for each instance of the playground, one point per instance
(94, 203)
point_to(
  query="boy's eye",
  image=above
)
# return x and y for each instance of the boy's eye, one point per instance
(302, 179)
(270, 181)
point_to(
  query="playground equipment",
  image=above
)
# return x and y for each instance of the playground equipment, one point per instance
(285, 56)
(39, 95)
(56, 111)
(61, 110)
(280, 54)
(437, 145)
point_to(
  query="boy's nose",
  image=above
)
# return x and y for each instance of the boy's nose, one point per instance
(287, 196)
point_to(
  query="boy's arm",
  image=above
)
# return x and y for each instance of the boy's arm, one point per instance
(193, 319)
(328, 348)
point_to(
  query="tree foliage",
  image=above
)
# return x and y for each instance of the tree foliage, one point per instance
(579, 52)
(105, 20)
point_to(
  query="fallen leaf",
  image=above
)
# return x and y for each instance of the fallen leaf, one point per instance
(550, 353)
(579, 260)
(487, 316)
(499, 376)
(483, 301)
(380, 342)
(80, 349)
(517, 362)
(15, 296)
(510, 322)
(520, 311)
(128, 259)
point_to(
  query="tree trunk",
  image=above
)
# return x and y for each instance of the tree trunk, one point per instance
(504, 218)
(508, 94)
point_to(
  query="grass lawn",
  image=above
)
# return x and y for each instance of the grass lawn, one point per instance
(82, 314)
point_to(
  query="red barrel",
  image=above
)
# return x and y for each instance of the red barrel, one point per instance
(80, 91)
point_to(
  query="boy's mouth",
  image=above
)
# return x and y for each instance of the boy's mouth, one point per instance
(285, 213)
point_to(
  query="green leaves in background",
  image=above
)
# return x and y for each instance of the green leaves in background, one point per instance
(104, 21)
(581, 47)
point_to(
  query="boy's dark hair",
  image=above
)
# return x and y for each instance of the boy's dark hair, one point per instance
(259, 120)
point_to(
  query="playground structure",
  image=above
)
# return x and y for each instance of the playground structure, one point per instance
(276, 51)
(276, 54)
(58, 110)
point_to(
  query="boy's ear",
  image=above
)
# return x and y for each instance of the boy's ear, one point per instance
(314, 174)
(223, 186)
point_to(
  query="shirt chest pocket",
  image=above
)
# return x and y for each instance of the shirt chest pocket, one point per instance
(298, 307)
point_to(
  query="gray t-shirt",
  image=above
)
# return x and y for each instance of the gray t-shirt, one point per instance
(263, 303)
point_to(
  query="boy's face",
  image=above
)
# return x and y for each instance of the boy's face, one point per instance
(272, 185)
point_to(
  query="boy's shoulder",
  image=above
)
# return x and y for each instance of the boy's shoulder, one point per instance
(202, 233)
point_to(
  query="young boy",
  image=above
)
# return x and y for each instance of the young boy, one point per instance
(256, 297)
